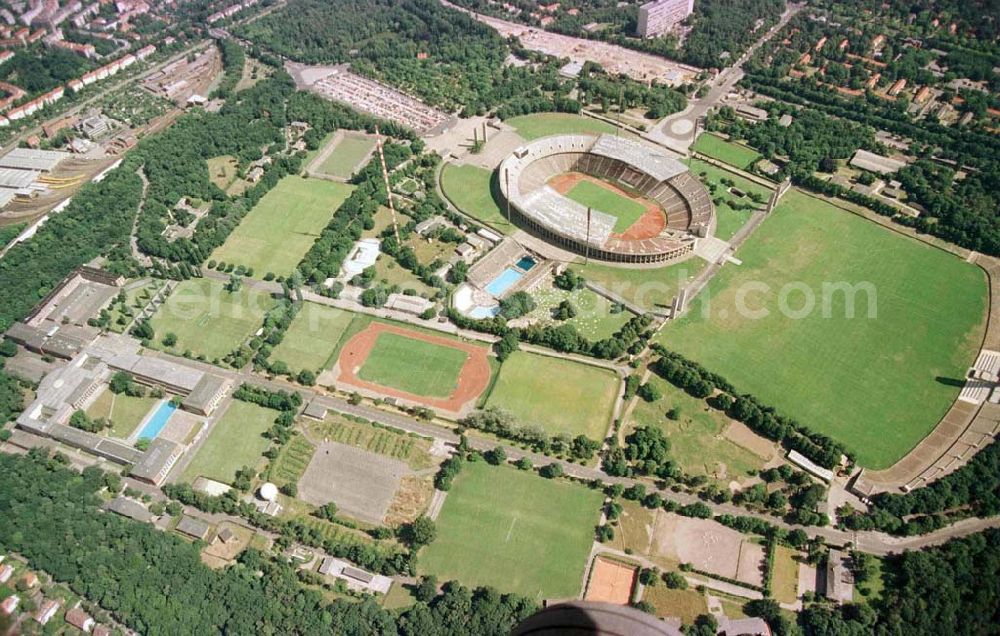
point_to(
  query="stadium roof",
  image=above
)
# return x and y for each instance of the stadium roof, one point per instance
(557, 211)
(649, 160)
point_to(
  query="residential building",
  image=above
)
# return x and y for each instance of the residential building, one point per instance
(660, 16)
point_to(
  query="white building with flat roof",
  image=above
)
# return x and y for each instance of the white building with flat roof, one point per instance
(660, 16)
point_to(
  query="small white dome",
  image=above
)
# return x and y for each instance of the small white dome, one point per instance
(269, 492)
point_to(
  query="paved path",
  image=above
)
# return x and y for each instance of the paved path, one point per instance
(678, 131)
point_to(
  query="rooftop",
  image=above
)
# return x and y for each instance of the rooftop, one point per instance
(129, 508)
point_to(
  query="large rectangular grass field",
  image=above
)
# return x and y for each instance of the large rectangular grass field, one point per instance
(560, 396)
(726, 151)
(284, 224)
(346, 156)
(314, 337)
(235, 441)
(514, 531)
(209, 320)
(878, 384)
(593, 195)
(415, 366)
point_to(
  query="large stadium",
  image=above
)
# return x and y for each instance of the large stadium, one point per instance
(606, 197)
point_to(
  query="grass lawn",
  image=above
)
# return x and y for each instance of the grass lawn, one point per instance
(558, 395)
(726, 151)
(346, 156)
(878, 382)
(648, 288)
(283, 225)
(728, 219)
(593, 313)
(235, 441)
(514, 531)
(870, 590)
(625, 210)
(125, 412)
(313, 338)
(545, 124)
(222, 170)
(414, 366)
(696, 440)
(209, 320)
(686, 605)
(469, 188)
(390, 272)
(785, 578)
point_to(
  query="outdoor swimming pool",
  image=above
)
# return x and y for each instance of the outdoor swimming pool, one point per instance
(526, 263)
(479, 312)
(503, 282)
(158, 420)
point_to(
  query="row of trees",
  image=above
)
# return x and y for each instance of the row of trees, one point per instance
(503, 424)
(233, 59)
(155, 583)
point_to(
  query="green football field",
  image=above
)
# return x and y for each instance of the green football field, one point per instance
(415, 366)
(284, 224)
(514, 531)
(235, 441)
(346, 156)
(545, 124)
(314, 337)
(468, 188)
(725, 151)
(592, 195)
(878, 384)
(560, 396)
(209, 320)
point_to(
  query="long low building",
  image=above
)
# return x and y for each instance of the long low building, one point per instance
(202, 391)
(30, 159)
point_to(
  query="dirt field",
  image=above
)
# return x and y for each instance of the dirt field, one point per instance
(362, 484)
(472, 381)
(650, 224)
(708, 546)
(610, 582)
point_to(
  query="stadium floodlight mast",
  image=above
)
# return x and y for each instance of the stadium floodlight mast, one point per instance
(388, 190)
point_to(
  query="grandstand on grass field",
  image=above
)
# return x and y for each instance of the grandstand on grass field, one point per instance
(644, 173)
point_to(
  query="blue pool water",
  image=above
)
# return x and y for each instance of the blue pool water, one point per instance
(480, 312)
(156, 423)
(526, 263)
(503, 282)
